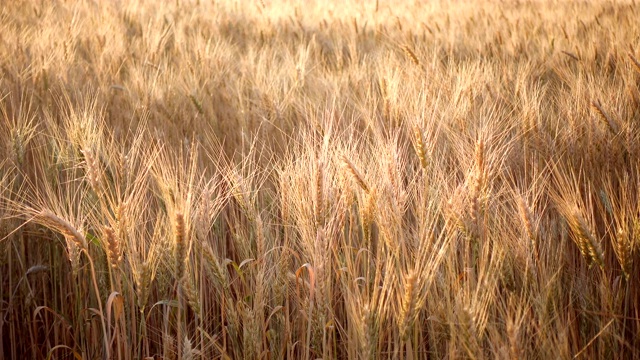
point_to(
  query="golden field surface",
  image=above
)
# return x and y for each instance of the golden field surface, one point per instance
(309, 179)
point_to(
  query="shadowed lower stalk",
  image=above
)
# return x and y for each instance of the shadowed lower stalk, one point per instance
(49, 219)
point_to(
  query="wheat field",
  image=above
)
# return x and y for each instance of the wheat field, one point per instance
(275, 179)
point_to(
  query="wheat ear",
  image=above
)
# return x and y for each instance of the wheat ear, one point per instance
(180, 245)
(585, 239)
(51, 220)
(623, 248)
(408, 305)
(354, 173)
(114, 254)
(605, 118)
(411, 55)
(526, 216)
(420, 147)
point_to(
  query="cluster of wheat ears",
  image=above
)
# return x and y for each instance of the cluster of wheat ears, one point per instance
(300, 180)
